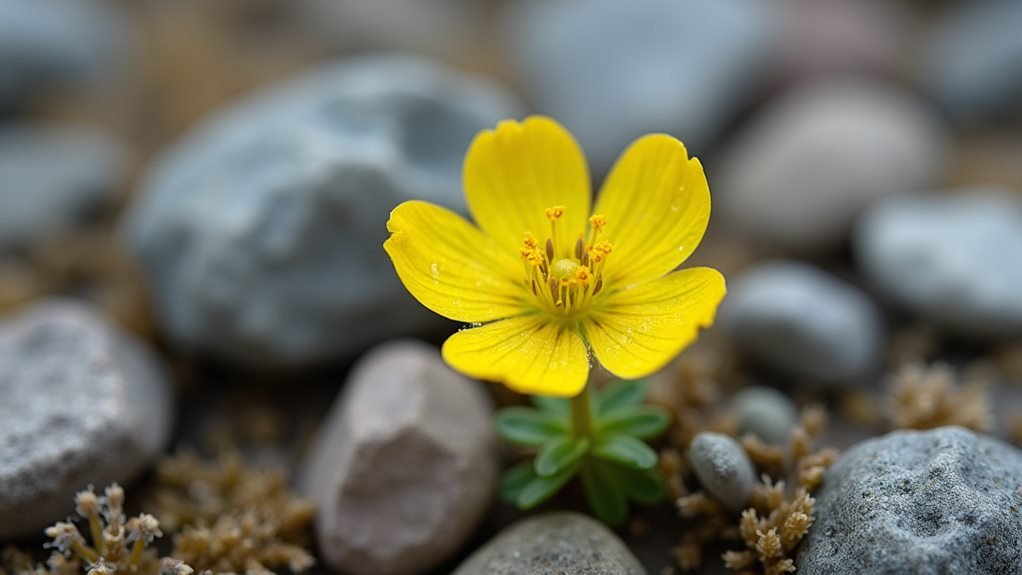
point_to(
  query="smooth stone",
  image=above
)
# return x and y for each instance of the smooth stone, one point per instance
(55, 43)
(614, 70)
(764, 412)
(559, 543)
(825, 37)
(261, 231)
(919, 503)
(953, 259)
(972, 61)
(53, 179)
(83, 404)
(805, 168)
(723, 468)
(803, 321)
(405, 466)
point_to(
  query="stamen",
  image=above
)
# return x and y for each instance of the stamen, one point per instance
(579, 247)
(555, 213)
(550, 249)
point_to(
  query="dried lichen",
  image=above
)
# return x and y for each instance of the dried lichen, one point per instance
(777, 517)
(927, 397)
(224, 517)
(232, 519)
(114, 543)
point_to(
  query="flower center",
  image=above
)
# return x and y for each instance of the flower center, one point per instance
(564, 277)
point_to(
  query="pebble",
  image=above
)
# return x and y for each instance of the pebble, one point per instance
(953, 259)
(723, 468)
(54, 179)
(83, 404)
(260, 232)
(805, 322)
(764, 412)
(558, 543)
(922, 503)
(826, 37)
(613, 70)
(56, 43)
(405, 466)
(972, 60)
(804, 169)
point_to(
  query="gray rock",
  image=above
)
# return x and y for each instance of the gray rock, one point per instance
(972, 60)
(83, 403)
(919, 503)
(261, 232)
(553, 544)
(613, 70)
(805, 168)
(764, 412)
(955, 260)
(723, 468)
(54, 178)
(405, 466)
(801, 320)
(47, 43)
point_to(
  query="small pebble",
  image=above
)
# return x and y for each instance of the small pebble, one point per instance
(804, 322)
(723, 468)
(764, 412)
(806, 166)
(953, 259)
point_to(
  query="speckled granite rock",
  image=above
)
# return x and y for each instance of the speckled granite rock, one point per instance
(82, 403)
(405, 466)
(919, 503)
(802, 171)
(954, 260)
(723, 468)
(553, 544)
(261, 231)
(52, 178)
(803, 321)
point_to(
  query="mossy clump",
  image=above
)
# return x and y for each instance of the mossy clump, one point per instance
(778, 514)
(929, 396)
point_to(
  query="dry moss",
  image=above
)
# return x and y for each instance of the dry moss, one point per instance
(232, 519)
(224, 517)
(777, 518)
(927, 397)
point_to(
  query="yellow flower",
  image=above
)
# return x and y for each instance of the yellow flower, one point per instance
(543, 281)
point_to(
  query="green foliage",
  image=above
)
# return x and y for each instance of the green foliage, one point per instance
(607, 452)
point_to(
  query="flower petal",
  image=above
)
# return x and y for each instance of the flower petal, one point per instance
(657, 204)
(514, 173)
(637, 331)
(529, 354)
(451, 267)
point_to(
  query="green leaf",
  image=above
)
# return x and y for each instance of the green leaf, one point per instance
(558, 407)
(604, 492)
(539, 489)
(514, 480)
(527, 426)
(559, 453)
(643, 422)
(626, 450)
(646, 487)
(621, 394)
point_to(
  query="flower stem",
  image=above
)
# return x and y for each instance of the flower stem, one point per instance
(582, 414)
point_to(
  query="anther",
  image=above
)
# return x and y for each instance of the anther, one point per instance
(599, 285)
(549, 249)
(555, 213)
(598, 221)
(579, 248)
